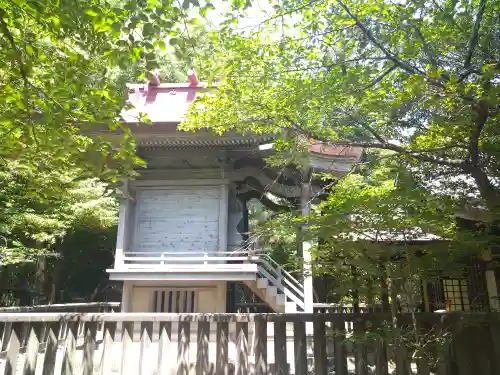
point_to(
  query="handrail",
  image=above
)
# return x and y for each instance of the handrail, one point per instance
(188, 259)
(278, 277)
(286, 273)
(176, 252)
(346, 307)
(62, 307)
(280, 287)
(293, 291)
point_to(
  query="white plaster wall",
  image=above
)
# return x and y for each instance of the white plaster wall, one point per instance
(178, 219)
(211, 295)
(142, 299)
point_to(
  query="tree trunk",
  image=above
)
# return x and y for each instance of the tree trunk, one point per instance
(384, 289)
(41, 279)
(488, 192)
(95, 292)
(474, 167)
(56, 273)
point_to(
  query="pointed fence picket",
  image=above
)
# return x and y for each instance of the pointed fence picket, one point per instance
(244, 344)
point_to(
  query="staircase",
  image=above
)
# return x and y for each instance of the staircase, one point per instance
(275, 286)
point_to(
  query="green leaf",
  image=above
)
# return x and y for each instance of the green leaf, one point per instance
(148, 30)
(29, 49)
(91, 12)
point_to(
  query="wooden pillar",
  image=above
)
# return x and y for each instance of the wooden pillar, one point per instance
(384, 289)
(425, 295)
(246, 226)
(305, 246)
(221, 296)
(308, 279)
(124, 228)
(127, 291)
(491, 283)
(231, 297)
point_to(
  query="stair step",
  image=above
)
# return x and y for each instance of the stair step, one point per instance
(262, 283)
(272, 291)
(290, 307)
(281, 299)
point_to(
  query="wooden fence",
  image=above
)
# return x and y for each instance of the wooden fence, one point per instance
(242, 344)
(345, 308)
(89, 307)
(86, 307)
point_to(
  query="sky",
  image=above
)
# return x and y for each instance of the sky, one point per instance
(255, 14)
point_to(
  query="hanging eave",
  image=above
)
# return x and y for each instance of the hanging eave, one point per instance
(194, 141)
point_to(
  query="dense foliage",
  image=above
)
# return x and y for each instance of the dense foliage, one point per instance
(415, 83)
(417, 78)
(64, 65)
(63, 73)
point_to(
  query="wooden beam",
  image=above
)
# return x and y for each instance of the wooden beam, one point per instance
(320, 354)
(491, 283)
(211, 317)
(49, 360)
(165, 340)
(305, 246)
(241, 349)
(221, 361)
(89, 347)
(261, 366)
(183, 338)
(280, 357)
(69, 362)
(300, 347)
(35, 331)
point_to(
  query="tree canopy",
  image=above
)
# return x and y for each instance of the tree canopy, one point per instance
(61, 76)
(64, 68)
(417, 78)
(414, 83)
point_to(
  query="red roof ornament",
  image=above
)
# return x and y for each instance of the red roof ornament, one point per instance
(154, 80)
(192, 78)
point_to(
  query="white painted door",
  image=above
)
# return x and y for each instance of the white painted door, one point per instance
(178, 220)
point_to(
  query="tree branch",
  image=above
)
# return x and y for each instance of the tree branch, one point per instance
(6, 32)
(379, 78)
(328, 66)
(477, 128)
(415, 154)
(426, 47)
(372, 131)
(475, 33)
(467, 74)
(372, 38)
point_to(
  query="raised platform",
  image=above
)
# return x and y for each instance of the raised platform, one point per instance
(185, 266)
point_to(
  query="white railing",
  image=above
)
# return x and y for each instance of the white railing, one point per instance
(163, 258)
(281, 279)
(267, 266)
